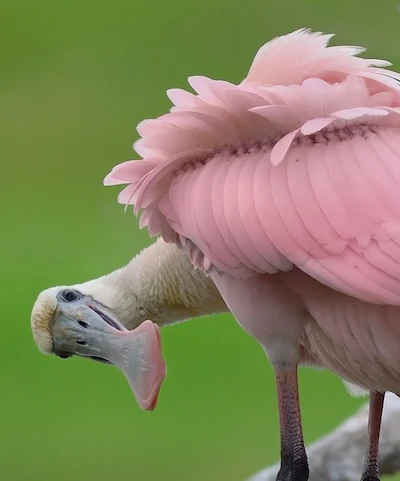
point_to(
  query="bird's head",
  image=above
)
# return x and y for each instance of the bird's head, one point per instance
(66, 322)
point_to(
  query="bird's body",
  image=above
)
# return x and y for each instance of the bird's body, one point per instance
(284, 189)
(289, 179)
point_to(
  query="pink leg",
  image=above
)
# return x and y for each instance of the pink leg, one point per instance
(294, 464)
(371, 465)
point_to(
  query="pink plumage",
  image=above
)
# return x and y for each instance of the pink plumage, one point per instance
(284, 188)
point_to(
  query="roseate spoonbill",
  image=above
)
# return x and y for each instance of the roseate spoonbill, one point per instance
(284, 190)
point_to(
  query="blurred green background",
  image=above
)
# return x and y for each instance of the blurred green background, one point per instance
(76, 78)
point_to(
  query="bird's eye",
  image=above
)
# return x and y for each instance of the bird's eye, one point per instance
(69, 295)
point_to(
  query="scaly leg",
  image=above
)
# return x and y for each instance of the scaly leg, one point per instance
(294, 464)
(371, 465)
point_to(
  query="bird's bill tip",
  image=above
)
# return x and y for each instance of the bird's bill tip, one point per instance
(142, 363)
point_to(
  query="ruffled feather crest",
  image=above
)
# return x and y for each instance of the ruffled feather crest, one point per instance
(292, 58)
(297, 87)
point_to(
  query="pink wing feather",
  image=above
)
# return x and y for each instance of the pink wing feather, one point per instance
(297, 165)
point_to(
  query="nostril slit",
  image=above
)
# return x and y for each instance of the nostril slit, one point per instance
(82, 343)
(83, 324)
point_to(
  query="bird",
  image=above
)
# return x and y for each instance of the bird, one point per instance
(283, 189)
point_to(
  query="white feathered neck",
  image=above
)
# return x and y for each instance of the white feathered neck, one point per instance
(159, 284)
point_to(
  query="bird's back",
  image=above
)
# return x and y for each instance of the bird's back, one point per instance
(257, 177)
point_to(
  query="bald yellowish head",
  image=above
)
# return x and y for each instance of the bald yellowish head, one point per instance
(67, 322)
(42, 318)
